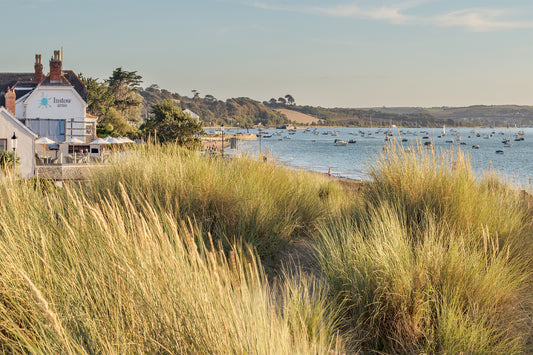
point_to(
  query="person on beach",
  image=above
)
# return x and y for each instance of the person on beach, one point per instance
(329, 172)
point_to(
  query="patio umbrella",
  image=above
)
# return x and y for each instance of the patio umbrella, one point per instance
(112, 140)
(126, 140)
(44, 141)
(74, 140)
(99, 141)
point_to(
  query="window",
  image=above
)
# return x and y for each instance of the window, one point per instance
(77, 148)
(3, 144)
(51, 128)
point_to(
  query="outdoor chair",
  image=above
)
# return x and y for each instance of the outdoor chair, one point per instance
(38, 160)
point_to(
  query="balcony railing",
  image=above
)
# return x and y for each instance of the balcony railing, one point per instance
(71, 159)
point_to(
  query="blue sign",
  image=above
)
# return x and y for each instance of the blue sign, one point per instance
(45, 101)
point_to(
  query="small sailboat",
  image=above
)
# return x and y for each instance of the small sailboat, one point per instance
(339, 142)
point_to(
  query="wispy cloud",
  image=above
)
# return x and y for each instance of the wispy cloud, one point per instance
(480, 20)
(387, 13)
(403, 13)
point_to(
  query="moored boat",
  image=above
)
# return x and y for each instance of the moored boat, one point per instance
(339, 142)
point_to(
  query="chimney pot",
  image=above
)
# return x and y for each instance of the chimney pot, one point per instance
(38, 77)
(55, 67)
(11, 99)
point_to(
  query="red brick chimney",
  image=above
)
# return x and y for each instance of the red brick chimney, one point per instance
(55, 67)
(38, 68)
(10, 100)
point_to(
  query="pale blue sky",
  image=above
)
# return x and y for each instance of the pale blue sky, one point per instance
(328, 53)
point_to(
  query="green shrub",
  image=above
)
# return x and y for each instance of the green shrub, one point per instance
(7, 160)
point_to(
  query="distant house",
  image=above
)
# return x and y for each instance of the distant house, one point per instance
(190, 113)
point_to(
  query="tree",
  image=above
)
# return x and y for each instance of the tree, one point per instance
(112, 123)
(125, 86)
(272, 101)
(196, 95)
(290, 99)
(169, 124)
(153, 87)
(282, 101)
(124, 80)
(99, 97)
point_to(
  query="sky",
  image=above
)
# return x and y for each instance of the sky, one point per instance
(334, 53)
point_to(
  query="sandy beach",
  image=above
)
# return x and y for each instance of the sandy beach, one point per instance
(215, 141)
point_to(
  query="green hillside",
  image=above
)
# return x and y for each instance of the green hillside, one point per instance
(242, 111)
(479, 115)
(369, 117)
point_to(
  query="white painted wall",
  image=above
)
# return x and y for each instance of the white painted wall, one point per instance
(25, 142)
(56, 102)
(20, 109)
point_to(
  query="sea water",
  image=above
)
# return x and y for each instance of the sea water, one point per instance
(315, 150)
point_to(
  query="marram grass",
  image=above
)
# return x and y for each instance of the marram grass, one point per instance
(432, 260)
(235, 200)
(164, 252)
(79, 276)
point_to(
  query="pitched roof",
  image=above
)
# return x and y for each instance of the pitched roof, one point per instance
(10, 79)
(76, 83)
(68, 78)
(17, 122)
(24, 84)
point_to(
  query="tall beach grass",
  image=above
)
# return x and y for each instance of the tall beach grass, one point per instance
(85, 276)
(168, 251)
(238, 200)
(432, 259)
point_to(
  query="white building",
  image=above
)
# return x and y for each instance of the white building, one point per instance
(25, 146)
(52, 105)
(191, 113)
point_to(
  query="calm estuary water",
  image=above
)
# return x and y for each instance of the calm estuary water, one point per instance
(317, 152)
